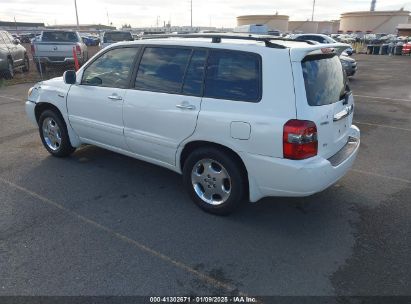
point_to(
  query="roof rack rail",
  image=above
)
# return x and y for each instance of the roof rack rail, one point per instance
(216, 38)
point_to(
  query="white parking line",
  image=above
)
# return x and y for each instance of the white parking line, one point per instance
(381, 126)
(142, 247)
(383, 98)
(11, 98)
(383, 176)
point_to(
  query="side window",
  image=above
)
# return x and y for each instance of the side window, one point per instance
(111, 69)
(193, 81)
(162, 69)
(2, 39)
(233, 75)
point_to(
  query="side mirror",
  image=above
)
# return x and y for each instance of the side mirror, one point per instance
(16, 41)
(69, 77)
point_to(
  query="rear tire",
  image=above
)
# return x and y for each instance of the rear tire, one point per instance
(214, 181)
(9, 73)
(54, 134)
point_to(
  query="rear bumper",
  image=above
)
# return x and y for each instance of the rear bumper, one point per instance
(56, 61)
(270, 176)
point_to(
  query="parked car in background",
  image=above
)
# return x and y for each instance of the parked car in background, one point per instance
(240, 120)
(115, 36)
(12, 56)
(90, 40)
(324, 39)
(26, 38)
(349, 64)
(406, 49)
(15, 36)
(55, 48)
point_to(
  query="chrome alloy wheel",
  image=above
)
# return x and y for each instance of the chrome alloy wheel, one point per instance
(51, 134)
(211, 182)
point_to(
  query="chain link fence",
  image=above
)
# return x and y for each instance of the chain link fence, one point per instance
(39, 72)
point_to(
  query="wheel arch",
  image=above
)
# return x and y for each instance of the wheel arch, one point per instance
(43, 106)
(197, 144)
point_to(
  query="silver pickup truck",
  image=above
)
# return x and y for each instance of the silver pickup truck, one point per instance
(55, 48)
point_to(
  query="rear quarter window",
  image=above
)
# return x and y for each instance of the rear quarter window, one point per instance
(233, 75)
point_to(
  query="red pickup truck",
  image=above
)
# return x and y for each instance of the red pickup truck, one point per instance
(406, 49)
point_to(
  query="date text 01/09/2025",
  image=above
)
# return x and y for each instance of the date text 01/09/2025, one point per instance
(203, 299)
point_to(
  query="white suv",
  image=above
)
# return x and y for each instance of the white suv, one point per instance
(240, 117)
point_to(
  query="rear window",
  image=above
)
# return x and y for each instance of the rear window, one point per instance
(60, 37)
(117, 36)
(324, 78)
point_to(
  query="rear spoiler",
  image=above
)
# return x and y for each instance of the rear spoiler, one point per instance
(298, 54)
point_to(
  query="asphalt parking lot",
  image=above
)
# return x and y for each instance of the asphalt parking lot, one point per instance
(99, 223)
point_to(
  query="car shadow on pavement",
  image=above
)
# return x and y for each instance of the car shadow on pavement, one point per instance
(148, 204)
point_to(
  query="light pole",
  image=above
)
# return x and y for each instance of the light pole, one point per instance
(373, 2)
(75, 6)
(312, 16)
(191, 11)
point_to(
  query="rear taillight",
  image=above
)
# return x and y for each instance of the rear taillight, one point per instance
(78, 50)
(300, 139)
(33, 50)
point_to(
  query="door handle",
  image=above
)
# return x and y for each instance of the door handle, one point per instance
(186, 106)
(115, 97)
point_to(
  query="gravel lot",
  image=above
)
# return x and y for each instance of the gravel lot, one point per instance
(34, 76)
(99, 223)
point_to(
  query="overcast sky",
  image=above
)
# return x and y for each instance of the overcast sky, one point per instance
(205, 12)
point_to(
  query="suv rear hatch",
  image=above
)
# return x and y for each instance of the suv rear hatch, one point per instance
(323, 97)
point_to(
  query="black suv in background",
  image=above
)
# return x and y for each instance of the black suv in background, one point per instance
(12, 56)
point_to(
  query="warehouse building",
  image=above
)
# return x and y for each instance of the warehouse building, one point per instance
(21, 27)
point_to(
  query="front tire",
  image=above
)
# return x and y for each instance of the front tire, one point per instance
(214, 181)
(54, 134)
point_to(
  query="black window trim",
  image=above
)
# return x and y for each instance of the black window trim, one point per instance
(133, 66)
(208, 50)
(139, 55)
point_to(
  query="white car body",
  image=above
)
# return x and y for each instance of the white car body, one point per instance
(153, 126)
